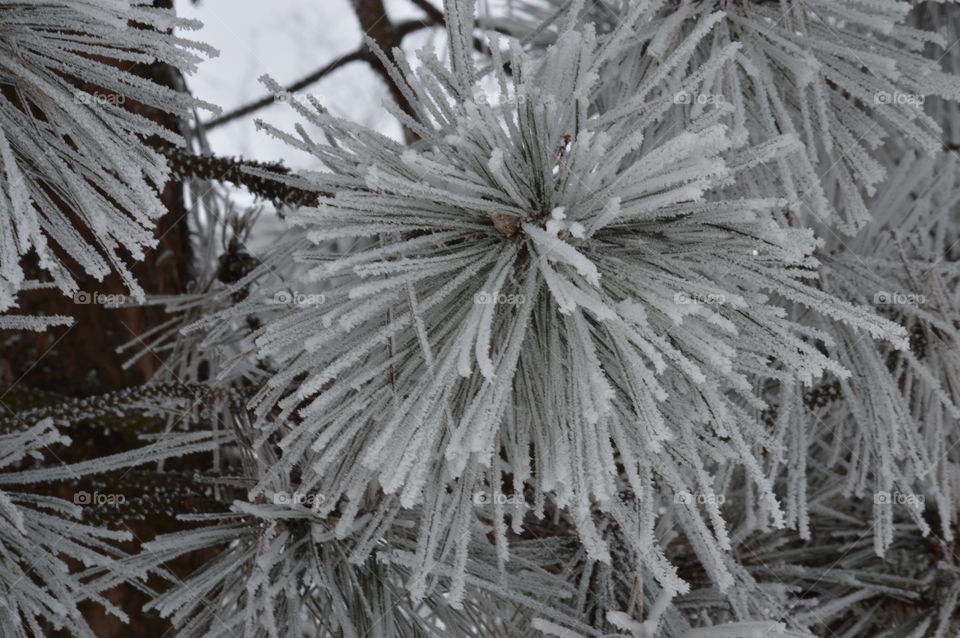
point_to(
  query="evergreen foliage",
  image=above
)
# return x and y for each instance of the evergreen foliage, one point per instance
(649, 330)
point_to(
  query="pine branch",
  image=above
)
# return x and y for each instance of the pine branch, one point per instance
(151, 495)
(185, 165)
(112, 404)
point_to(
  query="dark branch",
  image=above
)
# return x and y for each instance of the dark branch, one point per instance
(185, 165)
(296, 86)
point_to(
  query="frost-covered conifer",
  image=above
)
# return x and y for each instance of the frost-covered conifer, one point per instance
(650, 328)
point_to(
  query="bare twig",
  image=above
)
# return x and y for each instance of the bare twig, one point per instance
(296, 86)
(402, 30)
